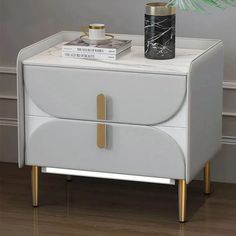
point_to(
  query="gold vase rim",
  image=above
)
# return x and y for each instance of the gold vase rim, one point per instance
(159, 9)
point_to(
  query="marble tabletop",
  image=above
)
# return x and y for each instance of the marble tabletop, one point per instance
(132, 61)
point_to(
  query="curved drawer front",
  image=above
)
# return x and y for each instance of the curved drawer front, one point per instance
(133, 98)
(131, 149)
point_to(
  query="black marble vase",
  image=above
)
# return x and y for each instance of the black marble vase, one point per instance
(159, 31)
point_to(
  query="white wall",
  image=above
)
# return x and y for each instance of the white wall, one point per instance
(1, 30)
(27, 21)
(23, 22)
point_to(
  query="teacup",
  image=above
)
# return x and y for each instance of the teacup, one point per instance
(95, 31)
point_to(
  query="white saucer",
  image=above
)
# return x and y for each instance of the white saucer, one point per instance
(107, 39)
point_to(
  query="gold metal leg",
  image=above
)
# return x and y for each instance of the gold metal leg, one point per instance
(207, 178)
(35, 185)
(182, 200)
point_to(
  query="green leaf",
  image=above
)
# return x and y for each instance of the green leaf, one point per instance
(199, 5)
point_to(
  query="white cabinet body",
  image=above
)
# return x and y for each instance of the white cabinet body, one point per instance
(163, 117)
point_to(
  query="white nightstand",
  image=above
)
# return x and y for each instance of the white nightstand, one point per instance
(131, 119)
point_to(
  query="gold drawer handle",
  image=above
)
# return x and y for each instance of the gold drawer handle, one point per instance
(101, 115)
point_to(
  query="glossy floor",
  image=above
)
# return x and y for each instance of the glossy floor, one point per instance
(88, 206)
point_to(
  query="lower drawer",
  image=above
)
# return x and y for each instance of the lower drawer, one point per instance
(131, 149)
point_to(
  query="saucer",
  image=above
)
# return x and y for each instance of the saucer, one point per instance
(107, 39)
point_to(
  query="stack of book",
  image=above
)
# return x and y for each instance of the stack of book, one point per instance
(109, 51)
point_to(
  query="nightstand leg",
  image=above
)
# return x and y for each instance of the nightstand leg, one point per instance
(68, 178)
(207, 178)
(182, 200)
(35, 185)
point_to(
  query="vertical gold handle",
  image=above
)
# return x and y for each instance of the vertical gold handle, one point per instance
(101, 115)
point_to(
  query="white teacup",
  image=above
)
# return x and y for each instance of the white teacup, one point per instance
(96, 31)
(95, 34)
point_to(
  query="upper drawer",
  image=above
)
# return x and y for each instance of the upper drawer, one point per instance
(130, 97)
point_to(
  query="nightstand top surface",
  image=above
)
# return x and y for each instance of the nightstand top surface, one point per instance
(132, 61)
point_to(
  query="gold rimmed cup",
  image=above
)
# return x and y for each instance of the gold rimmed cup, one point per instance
(95, 34)
(95, 31)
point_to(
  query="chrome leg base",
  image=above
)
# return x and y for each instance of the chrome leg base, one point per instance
(68, 178)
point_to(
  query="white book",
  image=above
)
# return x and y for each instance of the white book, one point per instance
(115, 46)
(93, 56)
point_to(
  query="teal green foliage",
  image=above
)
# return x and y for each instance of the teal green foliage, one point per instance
(199, 5)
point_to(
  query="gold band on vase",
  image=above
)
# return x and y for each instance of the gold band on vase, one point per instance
(159, 9)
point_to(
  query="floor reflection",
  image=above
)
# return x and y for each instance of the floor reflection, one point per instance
(97, 207)
(36, 222)
(182, 229)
